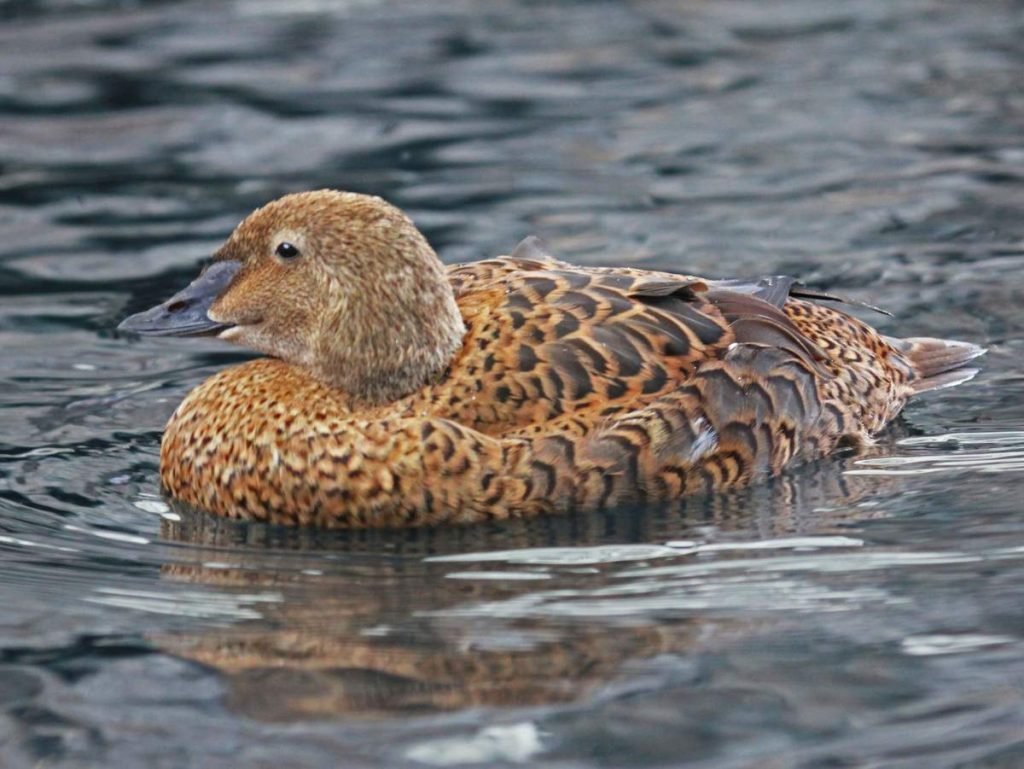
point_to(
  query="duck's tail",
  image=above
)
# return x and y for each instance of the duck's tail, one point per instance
(937, 363)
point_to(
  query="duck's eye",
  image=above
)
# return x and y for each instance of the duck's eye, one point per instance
(286, 250)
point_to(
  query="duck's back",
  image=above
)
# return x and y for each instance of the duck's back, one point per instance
(555, 348)
(552, 347)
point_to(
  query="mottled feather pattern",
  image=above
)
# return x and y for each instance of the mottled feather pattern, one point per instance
(573, 390)
(400, 392)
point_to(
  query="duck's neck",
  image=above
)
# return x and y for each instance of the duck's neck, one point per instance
(394, 338)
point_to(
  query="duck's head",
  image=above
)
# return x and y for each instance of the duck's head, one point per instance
(339, 283)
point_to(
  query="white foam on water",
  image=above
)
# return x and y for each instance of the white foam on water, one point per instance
(936, 644)
(498, 575)
(114, 536)
(192, 603)
(564, 556)
(1005, 455)
(509, 743)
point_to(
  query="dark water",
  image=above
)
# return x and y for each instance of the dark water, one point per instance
(864, 612)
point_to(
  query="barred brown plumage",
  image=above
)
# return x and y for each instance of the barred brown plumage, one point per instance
(404, 393)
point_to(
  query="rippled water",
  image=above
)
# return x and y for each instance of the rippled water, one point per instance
(863, 612)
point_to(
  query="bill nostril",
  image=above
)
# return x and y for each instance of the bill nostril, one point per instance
(177, 305)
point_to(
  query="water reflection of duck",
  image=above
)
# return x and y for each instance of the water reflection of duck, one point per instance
(371, 623)
(404, 393)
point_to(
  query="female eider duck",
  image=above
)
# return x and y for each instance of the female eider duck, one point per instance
(402, 392)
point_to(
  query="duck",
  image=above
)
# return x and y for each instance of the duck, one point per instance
(397, 391)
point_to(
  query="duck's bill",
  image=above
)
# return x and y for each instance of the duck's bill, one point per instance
(185, 313)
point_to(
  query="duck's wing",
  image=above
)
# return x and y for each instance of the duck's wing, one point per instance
(743, 416)
(546, 340)
(555, 347)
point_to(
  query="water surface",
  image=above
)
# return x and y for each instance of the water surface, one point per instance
(864, 611)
